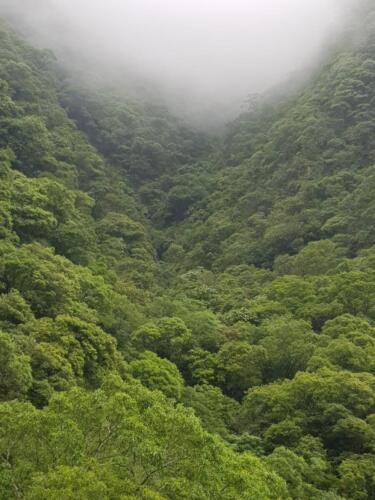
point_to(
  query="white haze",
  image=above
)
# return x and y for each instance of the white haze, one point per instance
(216, 51)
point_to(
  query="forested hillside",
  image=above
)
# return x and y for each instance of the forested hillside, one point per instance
(183, 316)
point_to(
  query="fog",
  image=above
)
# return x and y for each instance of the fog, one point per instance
(207, 51)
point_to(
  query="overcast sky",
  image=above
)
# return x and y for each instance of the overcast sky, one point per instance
(228, 48)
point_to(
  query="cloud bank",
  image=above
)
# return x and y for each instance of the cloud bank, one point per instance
(219, 50)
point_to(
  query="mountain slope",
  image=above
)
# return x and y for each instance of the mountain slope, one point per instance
(77, 276)
(294, 172)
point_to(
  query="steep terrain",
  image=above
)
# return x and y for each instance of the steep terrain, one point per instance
(182, 316)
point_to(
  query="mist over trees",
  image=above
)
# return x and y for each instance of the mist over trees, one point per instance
(203, 58)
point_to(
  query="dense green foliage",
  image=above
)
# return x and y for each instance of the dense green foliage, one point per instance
(182, 317)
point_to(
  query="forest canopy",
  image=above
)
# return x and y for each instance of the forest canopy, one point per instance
(184, 316)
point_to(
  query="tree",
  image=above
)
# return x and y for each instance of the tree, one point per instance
(15, 370)
(357, 477)
(158, 373)
(132, 440)
(168, 337)
(216, 411)
(200, 366)
(289, 344)
(240, 366)
(69, 349)
(316, 258)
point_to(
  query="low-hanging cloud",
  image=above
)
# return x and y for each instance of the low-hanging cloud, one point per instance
(220, 50)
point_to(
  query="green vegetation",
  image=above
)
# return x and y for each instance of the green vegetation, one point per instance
(183, 317)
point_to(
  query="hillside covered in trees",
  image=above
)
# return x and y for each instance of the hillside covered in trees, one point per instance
(181, 316)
